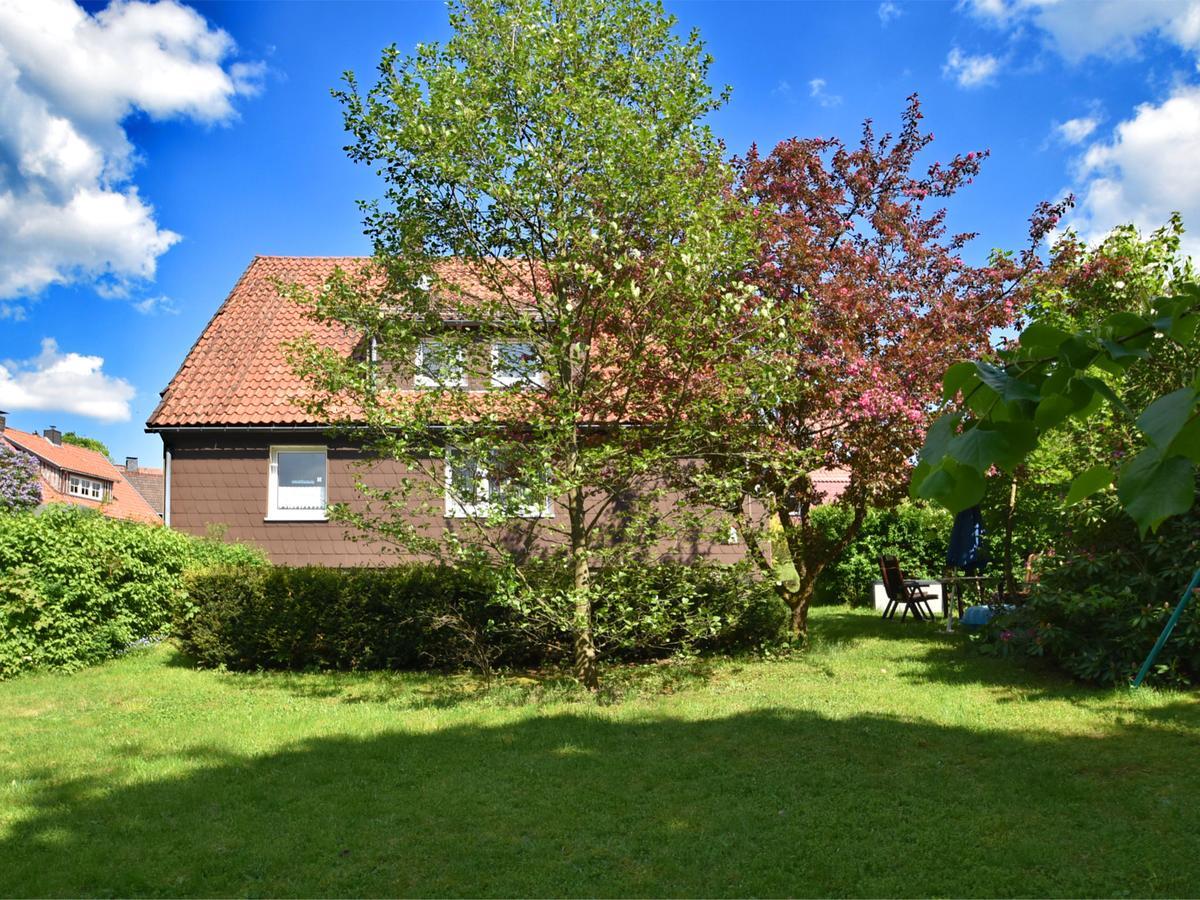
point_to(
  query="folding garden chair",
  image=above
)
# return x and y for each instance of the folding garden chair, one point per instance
(903, 591)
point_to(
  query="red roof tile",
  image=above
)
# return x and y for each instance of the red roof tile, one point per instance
(237, 372)
(125, 503)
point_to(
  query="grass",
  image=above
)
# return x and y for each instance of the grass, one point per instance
(885, 761)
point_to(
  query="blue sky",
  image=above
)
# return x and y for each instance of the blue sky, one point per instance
(148, 152)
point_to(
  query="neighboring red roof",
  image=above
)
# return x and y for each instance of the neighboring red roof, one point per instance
(149, 483)
(831, 483)
(237, 372)
(126, 502)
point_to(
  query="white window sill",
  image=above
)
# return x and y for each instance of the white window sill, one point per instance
(321, 517)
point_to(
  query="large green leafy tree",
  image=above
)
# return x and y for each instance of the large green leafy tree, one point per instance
(1084, 285)
(1109, 351)
(551, 192)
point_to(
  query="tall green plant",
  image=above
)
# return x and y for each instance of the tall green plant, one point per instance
(552, 191)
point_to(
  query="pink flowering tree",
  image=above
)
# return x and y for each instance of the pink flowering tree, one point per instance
(20, 487)
(876, 299)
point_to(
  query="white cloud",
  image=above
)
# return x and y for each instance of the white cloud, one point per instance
(816, 90)
(970, 71)
(888, 11)
(65, 382)
(1078, 130)
(68, 80)
(1145, 171)
(156, 305)
(1081, 28)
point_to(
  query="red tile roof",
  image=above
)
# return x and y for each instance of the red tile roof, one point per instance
(149, 483)
(125, 503)
(237, 372)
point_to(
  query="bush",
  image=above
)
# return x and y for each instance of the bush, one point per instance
(1097, 611)
(77, 588)
(20, 481)
(915, 533)
(426, 616)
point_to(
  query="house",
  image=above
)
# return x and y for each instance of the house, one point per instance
(78, 476)
(241, 456)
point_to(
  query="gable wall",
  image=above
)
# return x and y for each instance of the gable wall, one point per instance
(218, 480)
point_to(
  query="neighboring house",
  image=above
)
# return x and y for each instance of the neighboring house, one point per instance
(242, 456)
(79, 476)
(148, 481)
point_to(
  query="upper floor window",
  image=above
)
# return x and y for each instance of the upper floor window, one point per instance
(298, 484)
(439, 365)
(88, 488)
(515, 363)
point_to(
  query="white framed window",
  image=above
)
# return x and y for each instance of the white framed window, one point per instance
(88, 488)
(515, 363)
(439, 364)
(297, 485)
(474, 488)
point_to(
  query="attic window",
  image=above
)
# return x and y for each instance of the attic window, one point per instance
(439, 365)
(88, 488)
(515, 364)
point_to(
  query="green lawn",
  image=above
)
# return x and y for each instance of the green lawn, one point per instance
(884, 762)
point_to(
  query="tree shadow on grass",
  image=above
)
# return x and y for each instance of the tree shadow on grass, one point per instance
(764, 803)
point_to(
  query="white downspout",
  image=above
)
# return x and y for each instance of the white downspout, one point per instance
(166, 485)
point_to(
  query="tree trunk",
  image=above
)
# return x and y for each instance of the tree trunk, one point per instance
(800, 600)
(585, 646)
(1010, 516)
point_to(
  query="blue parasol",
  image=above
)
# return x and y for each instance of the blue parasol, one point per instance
(966, 541)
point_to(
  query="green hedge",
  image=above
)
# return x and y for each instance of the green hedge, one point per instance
(77, 587)
(915, 533)
(424, 616)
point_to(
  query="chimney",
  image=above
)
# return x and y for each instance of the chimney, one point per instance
(3, 421)
(131, 464)
(53, 435)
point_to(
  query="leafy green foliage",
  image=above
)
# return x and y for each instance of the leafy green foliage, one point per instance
(427, 616)
(915, 533)
(77, 587)
(548, 178)
(1097, 610)
(87, 443)
(1100, 388)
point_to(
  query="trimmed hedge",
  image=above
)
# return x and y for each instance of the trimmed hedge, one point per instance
(77, 588)
(426, 616)
(916, 533)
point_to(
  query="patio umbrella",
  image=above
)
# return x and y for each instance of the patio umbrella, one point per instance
(966, 541)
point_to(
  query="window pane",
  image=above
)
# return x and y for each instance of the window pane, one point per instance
(439, 363)
(516, 363)
(466, 481)
(301, 479)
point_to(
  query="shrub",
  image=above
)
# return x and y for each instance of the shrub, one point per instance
(1097, 610)
(77, 588)
(20, 482)
(426, 616)
(915, 533)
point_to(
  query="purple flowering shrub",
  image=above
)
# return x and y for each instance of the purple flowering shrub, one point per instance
(20, 480)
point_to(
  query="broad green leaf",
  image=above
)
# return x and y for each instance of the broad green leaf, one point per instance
(979, 447)
(1077, 352)
(1154, 487)
(1052, 410)
(1004, 384)
(1183, 330)
(956, 379)
(1187, 441)
(1044, 337)
(953, 486)
(1097, 478)
(1123, 352)
(1163, 419)
(981, 400)
(938, 438)
(1020, 437)
(1102, 388)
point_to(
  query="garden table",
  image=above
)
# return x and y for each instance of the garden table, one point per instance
(956, 585)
